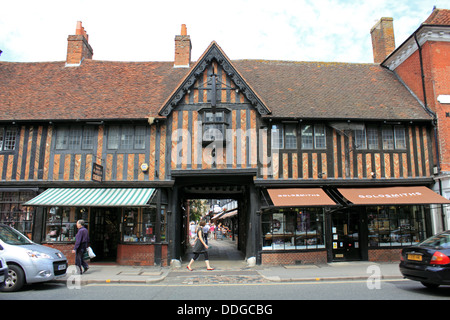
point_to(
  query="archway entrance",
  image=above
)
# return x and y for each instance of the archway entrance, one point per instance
(214, 191)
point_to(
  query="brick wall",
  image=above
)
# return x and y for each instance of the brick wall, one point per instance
(385, 255)
(287, 258)
(436, 66)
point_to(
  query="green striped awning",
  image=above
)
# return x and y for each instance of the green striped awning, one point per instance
(93, 197)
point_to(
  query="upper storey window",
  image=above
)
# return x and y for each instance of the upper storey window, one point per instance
(214, 125)
(126, 137)
(8, 138)
(75, 138)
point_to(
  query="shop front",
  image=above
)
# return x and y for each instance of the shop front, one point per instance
(311, 226)
(126, 225)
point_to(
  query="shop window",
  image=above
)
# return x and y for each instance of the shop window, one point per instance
(8, 138)
(293, 229)
(61, 223)
(14, 214)
(396, 225)
(140, 224)
(126, 137)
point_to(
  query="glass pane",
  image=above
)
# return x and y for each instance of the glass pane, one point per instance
(127, 137)
(88, 138)
(139, 137)
(113, 137)
(291, 136)
(75, 138)
(277, 136)
(319, 133)
(372, 138)
(360, 139)
(307, 137)
(62, 138)
(388, 138)
(400, 138)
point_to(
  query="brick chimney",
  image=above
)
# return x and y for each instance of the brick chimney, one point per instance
(383, 42)
(78, 47)
(183, 49)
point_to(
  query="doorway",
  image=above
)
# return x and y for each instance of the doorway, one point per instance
(105, 235)
(345, 233)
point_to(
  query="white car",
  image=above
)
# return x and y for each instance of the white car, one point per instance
(3, 270)
(28, 262)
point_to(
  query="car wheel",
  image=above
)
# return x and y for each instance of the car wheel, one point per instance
(429, 285)
(15, 279)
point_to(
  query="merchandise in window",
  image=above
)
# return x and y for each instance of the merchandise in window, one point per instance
(293, 229)
(61, 223)
(16, 215)
(139, 224)
(396, 225)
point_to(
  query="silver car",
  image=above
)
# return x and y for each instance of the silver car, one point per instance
(27, 261)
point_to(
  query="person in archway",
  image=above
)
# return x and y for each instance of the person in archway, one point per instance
(200, 247)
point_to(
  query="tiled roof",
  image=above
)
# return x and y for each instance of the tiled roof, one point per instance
(439, 17)
(330, 90)
(94, 90)
(136, 90)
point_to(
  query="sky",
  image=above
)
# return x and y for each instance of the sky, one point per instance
(144, 30)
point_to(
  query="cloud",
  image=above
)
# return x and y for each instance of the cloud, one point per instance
(137, 30)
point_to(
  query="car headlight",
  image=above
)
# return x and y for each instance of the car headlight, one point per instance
(38, 255)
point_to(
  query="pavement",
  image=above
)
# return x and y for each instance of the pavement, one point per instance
(230, 267)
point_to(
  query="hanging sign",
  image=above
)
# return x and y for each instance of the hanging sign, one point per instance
(97, 172)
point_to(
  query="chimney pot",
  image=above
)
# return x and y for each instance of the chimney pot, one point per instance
(183, 30)
(383, 42)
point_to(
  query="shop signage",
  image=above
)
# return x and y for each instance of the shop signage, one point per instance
(97, 172)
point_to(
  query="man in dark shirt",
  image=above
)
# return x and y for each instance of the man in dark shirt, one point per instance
(81, 244)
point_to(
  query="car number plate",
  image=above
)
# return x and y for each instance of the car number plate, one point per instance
(62, 267)
(415, 257)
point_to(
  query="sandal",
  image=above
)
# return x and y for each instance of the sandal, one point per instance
(210, 269)
(188, 268)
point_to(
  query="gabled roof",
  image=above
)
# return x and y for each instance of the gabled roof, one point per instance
(213, 52)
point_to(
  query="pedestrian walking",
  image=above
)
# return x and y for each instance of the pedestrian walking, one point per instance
(200, 247)
(81, 244)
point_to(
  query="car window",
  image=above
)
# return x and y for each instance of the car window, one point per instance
(11, 236)
(440, 240)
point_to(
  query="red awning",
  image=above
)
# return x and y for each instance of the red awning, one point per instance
(300, 197)
(393, 195)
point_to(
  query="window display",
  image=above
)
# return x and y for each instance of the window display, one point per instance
(61, 223)
(396, 225)
(139, 224)
(14, 214)
(293, 229)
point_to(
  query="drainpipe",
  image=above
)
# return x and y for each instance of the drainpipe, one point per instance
(433, 114)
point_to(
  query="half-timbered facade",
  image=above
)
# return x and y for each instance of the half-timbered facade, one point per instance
(123, 145)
